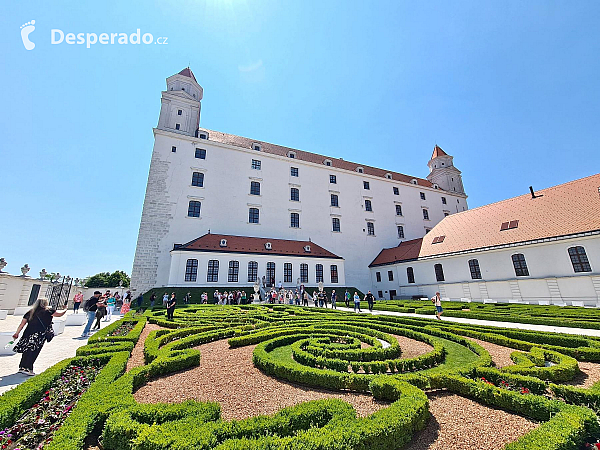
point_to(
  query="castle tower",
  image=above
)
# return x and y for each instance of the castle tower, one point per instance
(443, 173)
(180, 104)
(179, 114)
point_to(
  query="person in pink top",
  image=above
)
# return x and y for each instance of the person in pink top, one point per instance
(77, 301)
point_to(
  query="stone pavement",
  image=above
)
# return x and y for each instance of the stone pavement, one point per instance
(62, 346)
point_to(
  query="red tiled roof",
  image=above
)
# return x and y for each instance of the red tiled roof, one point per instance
(246, 244)
(561, 210)
(266, 147)
(437, 151)
(406, 251)
(187, 72)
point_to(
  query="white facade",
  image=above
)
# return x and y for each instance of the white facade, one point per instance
(552, 277)
(225, 200)
(179, 260)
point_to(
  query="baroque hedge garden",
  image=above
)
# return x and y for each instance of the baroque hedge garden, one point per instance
(93, 393)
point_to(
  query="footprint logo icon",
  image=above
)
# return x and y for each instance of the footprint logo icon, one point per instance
(26, 30)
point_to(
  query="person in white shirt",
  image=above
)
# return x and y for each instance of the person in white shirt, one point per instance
(437, 301)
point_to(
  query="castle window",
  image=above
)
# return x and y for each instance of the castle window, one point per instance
(366, 185)
(334, 273)
(359, 170)
(291, 154)
(203, 136)
(422, 194)
(327, 162)
(398, 210)
(319, 272)
(425, 214)
(212, 274)
(390, 275)
(410, 274)
(287, 272)
(295, 220)
(443, 200)
(336, 224)
(271, 273)
(253, 215)
(332, 179)
(413, 181)
(256, 164)
(520, 265)
(293, 171)
(368, 206)
(370, 228)
(191, 270)
(295, 194)
(234, 269)
(303, 273)
(257, 147)
(198, 179)
(173, 149)
(388, 176)
(200, 153)
(475, 270)
(378, 276)
(579, 259)
(439, 272)
(252, 271)
(396, 191)
(254, 188)
(334, 200)
(177, 126)
(194, 208)
(400, 231)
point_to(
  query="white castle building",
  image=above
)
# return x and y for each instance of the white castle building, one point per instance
(275, 212)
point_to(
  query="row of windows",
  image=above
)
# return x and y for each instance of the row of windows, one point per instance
(577, 254)
(200, 153)
(212, 273)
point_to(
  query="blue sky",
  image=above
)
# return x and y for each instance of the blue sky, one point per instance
(510, 89)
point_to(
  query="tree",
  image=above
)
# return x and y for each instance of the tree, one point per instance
(108, 280)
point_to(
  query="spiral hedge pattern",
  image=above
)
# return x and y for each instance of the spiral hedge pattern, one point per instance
(335, 351)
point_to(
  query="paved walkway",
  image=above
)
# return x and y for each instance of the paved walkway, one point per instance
(62, 346)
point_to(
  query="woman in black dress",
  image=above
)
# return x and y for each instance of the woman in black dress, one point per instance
(171, 306)
(38, 320)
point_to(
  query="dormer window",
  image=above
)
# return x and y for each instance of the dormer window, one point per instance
(388, 176)
(307, 248)
(509, 225)
(223, 243)
(435, 186)
(179, 112)
(327, 162)
(413, 181)
(268, 246)
(256, 147)
(203, 135)
(291, 154)
(360, 170)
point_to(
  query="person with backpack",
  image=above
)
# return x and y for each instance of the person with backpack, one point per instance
(370, 300)
(171, 306)
(90, 308)
(39, 330)
(437, 301)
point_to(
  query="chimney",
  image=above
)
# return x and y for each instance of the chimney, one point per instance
(532, 192)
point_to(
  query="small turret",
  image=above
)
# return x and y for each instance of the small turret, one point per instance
(180, 104)
(443, 173)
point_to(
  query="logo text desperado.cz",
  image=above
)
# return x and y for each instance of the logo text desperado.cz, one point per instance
(58, 37)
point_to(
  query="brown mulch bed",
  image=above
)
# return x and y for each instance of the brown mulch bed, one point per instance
(412, 348)
(137, 355)
(459, 423)
(500, 355)
(590, 374)
(228, 376)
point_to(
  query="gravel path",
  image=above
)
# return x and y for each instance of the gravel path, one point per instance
(228, 376)
(590, 374)
(137, 355)
(411, 347)
(459, 423)
(500, 355)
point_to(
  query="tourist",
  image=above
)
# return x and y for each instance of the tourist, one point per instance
(204, 298)
(280, 286)
(290, 296)
(356, 302)
(126, 304)
(90, 308)
(238, 297)
(216, 297)
(100, 312)
(243, 299)
(152, 300)
(263, 282)
(437, 301)
(305, 299)
(325, 298)
(297, 299)
(333, 299)
(171, 306)
(321, 298)
(315, 299)
(39, 321)
(347, 299)
(118, 301)
(110, 307)
(140, 300)
(165, 299)
(77, 302)
(230, 298)
(370, 300)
